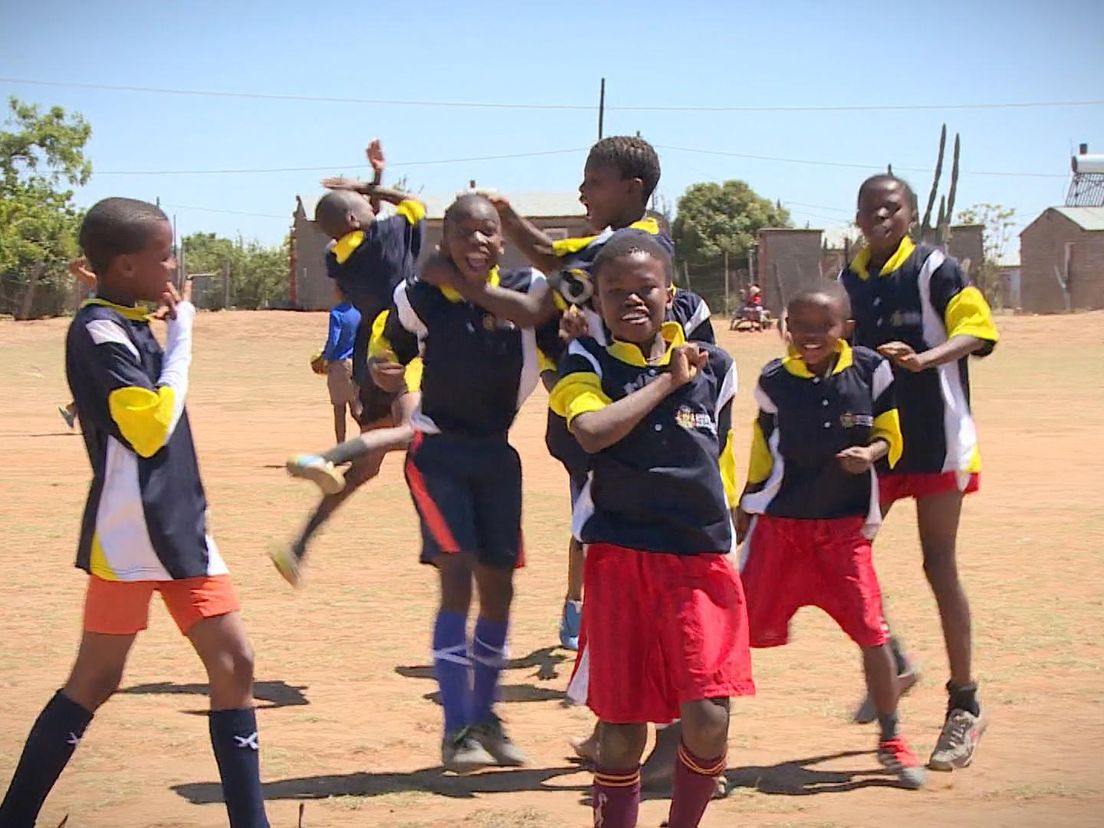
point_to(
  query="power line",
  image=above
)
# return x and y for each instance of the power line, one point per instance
(333, 167)
(286, 217)
(847, 164)
(212, 93)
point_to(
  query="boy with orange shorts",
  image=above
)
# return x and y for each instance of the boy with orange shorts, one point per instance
(145, 522)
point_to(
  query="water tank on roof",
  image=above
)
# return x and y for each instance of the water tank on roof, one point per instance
(1088, 163)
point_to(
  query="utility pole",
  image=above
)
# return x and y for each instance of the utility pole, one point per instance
(601, 108)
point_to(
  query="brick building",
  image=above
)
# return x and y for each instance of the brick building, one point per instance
(560, 215)
(1062, 260)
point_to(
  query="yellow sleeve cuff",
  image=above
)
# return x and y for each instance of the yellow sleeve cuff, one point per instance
(544, 362)
(413, 374)
(578, 394)
(565, 247)
(143, 416)
(379, 346)
(760, 462)
(968, 314)
(413, 211)
(887, 426)
(727, 465)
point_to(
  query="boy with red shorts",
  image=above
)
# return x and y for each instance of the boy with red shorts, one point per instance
(664, 625)
(916, 306)
(145, 523)
(826, 416)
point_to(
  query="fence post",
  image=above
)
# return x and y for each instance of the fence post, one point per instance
(226, 285)
(728, 303)
(686, 275)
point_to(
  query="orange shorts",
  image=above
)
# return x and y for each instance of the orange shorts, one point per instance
(122, 607)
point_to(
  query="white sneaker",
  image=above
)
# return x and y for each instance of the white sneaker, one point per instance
(961, 733)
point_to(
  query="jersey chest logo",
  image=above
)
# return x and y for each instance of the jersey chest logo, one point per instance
(849, 420)
(694, 420)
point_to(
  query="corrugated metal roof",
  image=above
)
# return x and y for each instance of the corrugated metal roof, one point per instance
(1087, 218)
(531, 205)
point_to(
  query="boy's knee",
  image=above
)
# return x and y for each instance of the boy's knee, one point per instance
(234, 667)
(90, 689)
(705, 725)
(621, 746)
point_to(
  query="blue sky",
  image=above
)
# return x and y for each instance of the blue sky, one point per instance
(652, 54)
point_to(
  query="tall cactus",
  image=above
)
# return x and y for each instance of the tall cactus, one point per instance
(940, 232)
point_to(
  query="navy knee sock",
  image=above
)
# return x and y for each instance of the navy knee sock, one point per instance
(452, 669)
(234, 740)
(488, 654)
(56, 733)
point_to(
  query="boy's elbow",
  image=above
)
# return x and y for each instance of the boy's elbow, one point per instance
(588, 439)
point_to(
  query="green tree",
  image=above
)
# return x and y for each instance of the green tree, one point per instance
(41, 160)
(714, 219)
(258, 273)
(998, 221)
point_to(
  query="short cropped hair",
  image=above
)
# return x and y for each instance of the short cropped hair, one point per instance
(833, 291)
(888, 178)
(632, 156)
(335, 205)
(628, 242)
(115, 227)
(466, 204)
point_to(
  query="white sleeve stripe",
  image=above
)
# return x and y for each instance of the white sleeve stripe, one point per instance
(882, 379)
(103, 331)
(537, 282)
(575, 349)
(701, 313)
(728, 389)
(407, 315)
(764, 402)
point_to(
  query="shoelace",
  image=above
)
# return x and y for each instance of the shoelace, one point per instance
(957, 727)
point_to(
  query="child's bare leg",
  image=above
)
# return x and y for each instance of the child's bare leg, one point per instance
(659, 767)
(575, 561)
(617, 775)
(571, 619)
(339, 423)
(360, 472)
(701, 760)
(937, 517)
(222, 645)
(881, 684)
(61, 724)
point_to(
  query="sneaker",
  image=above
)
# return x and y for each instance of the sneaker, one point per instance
(462, 753)
(289, 563)
(492, 736)
(867, 713)
(319, 471)
(70, 419)
(894, 754)
(961, 733)
(569, 624)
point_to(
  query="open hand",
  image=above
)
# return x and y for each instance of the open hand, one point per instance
(375, 156)
(856, 459)
(903, 355)
(686, 360)
(80, 270)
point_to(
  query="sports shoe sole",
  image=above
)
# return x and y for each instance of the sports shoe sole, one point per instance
(471, 763)
(319, 475)
(288, 565)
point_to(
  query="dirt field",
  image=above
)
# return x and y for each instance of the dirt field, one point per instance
(349, 725)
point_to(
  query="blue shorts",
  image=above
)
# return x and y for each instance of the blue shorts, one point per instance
(467, 491)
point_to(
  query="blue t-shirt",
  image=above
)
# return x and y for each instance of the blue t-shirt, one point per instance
(344, 319)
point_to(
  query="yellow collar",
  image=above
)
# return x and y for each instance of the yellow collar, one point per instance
(135, 314)
(628, 353)
(798, 368)
(647, 224)
(345, 246)
(453, 295)
(861, 262)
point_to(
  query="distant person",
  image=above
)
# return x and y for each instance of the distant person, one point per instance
(337, 356)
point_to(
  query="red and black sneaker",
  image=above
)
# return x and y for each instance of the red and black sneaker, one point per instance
(894, 754)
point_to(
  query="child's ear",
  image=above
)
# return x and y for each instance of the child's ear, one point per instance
(352, 221)
(848, 328)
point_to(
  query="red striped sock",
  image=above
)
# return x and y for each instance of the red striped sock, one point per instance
(695, 782)
(616, 797)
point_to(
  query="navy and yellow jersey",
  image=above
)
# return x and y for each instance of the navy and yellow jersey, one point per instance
(804, 421)
(922, 297)
(669, 484)
(369, 264)
(688, 309)
(477, 369)
(145, 519)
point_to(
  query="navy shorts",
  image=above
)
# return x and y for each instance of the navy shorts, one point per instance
(467, 491)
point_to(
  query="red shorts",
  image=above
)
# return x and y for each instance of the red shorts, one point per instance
(659, 630)
(811, 563)
(122, 607)
(893, 487)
